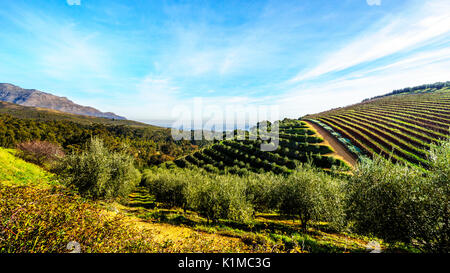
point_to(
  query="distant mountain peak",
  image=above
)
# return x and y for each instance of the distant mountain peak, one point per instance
(32, 97)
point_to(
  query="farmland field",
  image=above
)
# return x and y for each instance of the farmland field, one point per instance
(298, 143)
(401, 126)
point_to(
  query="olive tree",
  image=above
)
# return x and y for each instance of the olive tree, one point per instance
(98, 173)
(220, 197)
(311, 194)
(382, 199)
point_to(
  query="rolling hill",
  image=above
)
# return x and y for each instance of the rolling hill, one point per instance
(149, 144)
(400, 125)
(298, 143)
(44, 114)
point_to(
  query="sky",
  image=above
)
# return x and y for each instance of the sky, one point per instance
(145, 59)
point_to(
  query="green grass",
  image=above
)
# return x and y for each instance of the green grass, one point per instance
(38, 215)
(15, 171)
(268, 232)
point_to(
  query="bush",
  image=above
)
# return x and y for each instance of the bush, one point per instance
(213, 196)
(44, 221)
(310, 194)
(167, 186)
(398, 203)
(220, 197)
(381, 198)
(434, 228)
(98, 173)
(40, 152)
(261, 191)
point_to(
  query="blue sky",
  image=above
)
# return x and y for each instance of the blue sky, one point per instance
(141, 58)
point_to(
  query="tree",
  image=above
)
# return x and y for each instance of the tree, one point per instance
(40, 152)
(381, 198)
(98, 173)
(434, 230)
(310, 194)
(219, 197)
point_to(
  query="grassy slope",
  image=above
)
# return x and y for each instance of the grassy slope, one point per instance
(171, 230)
(15, 171)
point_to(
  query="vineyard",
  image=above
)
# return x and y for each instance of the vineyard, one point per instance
(401, 125)
(297, 144)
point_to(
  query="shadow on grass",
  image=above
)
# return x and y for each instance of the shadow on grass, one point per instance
(266, 229)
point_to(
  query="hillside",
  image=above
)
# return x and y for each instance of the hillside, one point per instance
(15, 171)
(36, 199)
(44, 114)
(39, 215)
(32, 97)
(298, 143)
(150, 145)
(400, 125)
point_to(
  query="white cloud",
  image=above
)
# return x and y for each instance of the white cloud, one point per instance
(74, 2)
(74, 55)
(373, 2)
(412, 28)
(198, 52)
(420, 69)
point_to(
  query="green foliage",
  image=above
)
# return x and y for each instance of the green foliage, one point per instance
(435, 224)
(307, 193)
(311, 195)
(381, 198)
(220, 197)
(36, 220)
(168, 187)
(148, 144)
(99, 173)
(399, 203)
(261, 191)
(213, 196)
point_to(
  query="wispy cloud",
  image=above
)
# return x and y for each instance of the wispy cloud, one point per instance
(142, 59)
(373, 2)
(415, 27)
(74, 2)
(60, 50)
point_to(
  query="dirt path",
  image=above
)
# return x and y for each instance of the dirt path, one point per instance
(339, 149)
(179, 238)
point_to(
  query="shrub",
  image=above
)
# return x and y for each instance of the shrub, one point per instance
(213, 196)
(381, 198)
(311, 194)
(40, 152)
(169, 187)
(399, 203)
(44, 221)
(261, 191)
(98, 173)
(220, 196)
(434, 228)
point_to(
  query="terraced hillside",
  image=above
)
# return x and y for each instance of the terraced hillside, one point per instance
(400, 125)
(297, 143)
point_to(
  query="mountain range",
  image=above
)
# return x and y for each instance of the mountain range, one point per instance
(32, 97)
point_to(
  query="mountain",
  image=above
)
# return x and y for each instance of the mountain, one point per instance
(32, 97)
